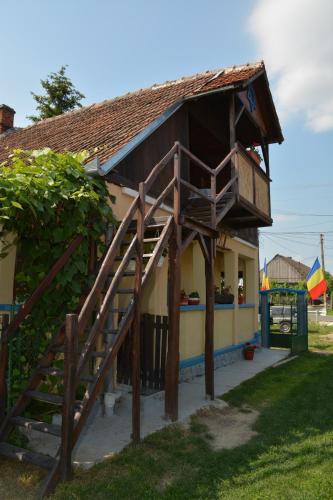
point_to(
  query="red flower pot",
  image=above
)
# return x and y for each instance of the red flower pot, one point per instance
(193, 301)
(249, 355)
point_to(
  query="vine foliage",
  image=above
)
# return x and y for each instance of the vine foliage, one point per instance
(46, 199)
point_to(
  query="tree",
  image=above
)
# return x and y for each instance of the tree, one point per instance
(61, 96)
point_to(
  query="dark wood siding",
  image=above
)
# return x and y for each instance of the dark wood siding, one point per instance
(137, 165)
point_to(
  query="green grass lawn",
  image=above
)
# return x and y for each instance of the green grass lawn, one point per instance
(321, 337)
(290, 457)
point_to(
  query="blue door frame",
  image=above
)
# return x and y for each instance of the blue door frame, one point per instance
(298, 341)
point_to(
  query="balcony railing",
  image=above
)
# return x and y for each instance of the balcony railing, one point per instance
(253, 183)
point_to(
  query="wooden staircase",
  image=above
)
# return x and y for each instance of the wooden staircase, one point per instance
(117, 289)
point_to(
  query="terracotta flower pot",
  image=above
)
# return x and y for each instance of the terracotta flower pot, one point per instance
(249, 355)
(193, 301)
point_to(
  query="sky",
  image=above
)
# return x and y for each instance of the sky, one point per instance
(112, 47)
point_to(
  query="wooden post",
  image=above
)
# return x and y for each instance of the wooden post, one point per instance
(68, 409)
(172, 365)
(232, 139)
(136, 379)
(209, 320)
(3, 366)
(213, 205)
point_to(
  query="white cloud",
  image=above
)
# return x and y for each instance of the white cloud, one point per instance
(295, 38)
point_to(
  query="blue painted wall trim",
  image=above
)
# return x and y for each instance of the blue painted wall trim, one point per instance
(10, 307)
(202, 307)
(196, 360)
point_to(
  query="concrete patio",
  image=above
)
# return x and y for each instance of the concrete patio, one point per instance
(110, 434)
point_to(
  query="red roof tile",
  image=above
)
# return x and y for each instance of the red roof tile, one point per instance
(111, 124)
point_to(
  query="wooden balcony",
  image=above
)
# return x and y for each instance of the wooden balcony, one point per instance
(252, 207)
(243, 199)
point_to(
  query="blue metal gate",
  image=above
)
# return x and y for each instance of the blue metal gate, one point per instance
(296, 340)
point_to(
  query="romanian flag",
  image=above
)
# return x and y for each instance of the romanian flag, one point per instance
(265, 280)
(315, 281)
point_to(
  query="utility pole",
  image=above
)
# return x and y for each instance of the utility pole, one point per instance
(323, 262)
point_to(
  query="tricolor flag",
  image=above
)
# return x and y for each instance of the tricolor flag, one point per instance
(315, 281)
(265, 280)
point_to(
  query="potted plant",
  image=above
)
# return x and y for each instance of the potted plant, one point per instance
(194, 299)
(183, 298)
(254, 153)
(224, 297)
(248, 351)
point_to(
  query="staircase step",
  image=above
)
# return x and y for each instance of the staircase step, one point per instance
(98, 354)
(110, 331)
(147, 255)
(125, 274)
(54, 399)
(54, 372)
(151, 240)
(121, 310)
(125, 291)
(87, 378)
(31, 457)
(58, 348)
(29, 424)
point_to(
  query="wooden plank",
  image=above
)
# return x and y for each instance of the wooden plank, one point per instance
(3, 366)
(209, 321)
(68, 409)
(27, 456)
(45, 397)
(136, 371)
(30, 424)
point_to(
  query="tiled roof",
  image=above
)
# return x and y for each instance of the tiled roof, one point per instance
(111, 124)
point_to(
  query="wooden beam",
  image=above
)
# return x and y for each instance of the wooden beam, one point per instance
(199, 227)
(136, 378)
(209, 320)
(187, 241)
(172, 365)
(70, 360)
(239, 114)
(203, 247)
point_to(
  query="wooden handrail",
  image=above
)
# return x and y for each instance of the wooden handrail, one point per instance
(44, 284)
(159, 166)
(196, 160)
(97, 288)
(159, 201)
(224, 162)
(226, 187)
(196, 190)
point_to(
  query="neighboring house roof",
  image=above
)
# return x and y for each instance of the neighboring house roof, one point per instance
(113, 124)
(290, 270)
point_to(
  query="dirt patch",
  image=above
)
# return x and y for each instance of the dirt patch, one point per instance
(228, 427)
